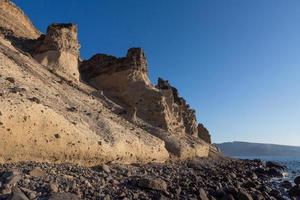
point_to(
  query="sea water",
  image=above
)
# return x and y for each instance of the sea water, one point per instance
(293, 169)
(291, 162)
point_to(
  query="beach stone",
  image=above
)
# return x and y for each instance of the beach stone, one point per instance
(231, 190)
(243, 195)
(272, 164)
(258, 196)
(275, 193)
(11, 178)
(294, 191)
(153, 184)
(202, 194)
(63, 196)
(274, 172)
(297, 180)
(260, 171)
(106, 168)
(286, 184)
(37, 172)
(32, 195)
(229, 197)
(5, 191)
(249, 184)
(17, 194)
(54, 187)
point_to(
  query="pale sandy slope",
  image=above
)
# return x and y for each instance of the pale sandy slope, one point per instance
(44, 118)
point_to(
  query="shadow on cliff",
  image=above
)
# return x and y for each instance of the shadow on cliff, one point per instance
(24, 44)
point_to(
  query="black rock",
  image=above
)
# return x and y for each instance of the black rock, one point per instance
(275, 193)
(243, 195)
(297, 180)
(276, 165)
(249, 184)
(286, 184)
(294, 191)
(275, 172)
(63, 196)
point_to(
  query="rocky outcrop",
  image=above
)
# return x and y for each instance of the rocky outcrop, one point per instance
(45, 118)
(203, 133)
(13, 21)
(179, 107)
(59, 50)
(47, 114)
(125, 80)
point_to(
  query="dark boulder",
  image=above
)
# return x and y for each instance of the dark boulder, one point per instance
(297, 180)
(276, 165)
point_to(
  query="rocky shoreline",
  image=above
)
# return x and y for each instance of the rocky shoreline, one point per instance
(205, 178)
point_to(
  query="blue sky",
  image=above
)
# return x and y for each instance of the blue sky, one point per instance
(236, 62)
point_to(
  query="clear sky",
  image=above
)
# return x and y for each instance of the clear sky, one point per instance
(237, 62)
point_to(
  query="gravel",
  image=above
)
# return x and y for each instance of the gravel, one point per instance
(206, 178)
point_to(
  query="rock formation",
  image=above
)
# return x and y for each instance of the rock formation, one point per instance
(14, 22)
(125, 80)
(47, 114)
(203, 133)
(59, 50)
(179, 107)
(44, 117)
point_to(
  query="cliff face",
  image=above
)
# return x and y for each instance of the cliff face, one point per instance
(13, 21)
(48, 114)
(203, 133)
(125, 81)
(59, 50)
(179, 108)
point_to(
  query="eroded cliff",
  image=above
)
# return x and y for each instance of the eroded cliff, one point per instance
(115, 115)
(125, 80)
(59, 50)
(13, 21)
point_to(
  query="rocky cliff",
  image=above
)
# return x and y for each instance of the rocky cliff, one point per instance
(203, 133)
(59, 50)
(13, 21)
(107, 112)
(125, 81)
